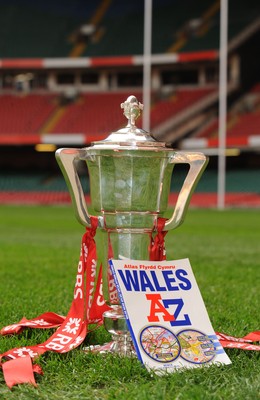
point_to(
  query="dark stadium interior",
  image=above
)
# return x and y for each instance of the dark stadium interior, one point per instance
(65, 67)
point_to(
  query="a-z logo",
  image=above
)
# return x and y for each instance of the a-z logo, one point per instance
(159, 306)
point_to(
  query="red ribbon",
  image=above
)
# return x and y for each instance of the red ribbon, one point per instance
(244, 343)
(157, 246)
(43, 321)
(72, 330)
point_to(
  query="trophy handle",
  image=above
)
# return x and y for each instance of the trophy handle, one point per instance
(66, 159)
(197, 162)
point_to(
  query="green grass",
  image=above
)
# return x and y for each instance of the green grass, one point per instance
(39, 251)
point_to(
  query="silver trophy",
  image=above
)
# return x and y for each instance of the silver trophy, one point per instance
(130, 177)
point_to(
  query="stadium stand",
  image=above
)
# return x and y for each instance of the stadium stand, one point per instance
(106, 38)
(239, 126)
(243, 120)
(56, 28)
(172, 107)
(39, 29)
(84, 115)
(24, 114)
(34, 114)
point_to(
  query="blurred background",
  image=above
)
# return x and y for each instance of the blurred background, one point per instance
(66, 66)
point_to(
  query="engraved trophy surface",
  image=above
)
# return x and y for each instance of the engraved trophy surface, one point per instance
(130, 177)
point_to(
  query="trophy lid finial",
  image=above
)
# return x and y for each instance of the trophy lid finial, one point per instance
(132, 109)
(130, 137)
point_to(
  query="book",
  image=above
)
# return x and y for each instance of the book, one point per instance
(166, 315)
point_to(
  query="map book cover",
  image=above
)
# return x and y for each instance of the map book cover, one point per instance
(166, 315)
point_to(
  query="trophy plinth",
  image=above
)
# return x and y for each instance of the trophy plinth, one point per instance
(130, 177)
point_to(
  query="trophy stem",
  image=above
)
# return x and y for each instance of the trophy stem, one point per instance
(128, 245)
(115, 323)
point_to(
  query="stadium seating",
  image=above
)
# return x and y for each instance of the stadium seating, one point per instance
(182, 99)
(98, 114)
(247, 125)
(24, 114)
(92, 113)
(240, 124)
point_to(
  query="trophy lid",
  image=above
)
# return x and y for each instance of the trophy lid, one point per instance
(130, 136)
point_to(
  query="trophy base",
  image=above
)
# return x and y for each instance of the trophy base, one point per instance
(115, 323)
(122, 346)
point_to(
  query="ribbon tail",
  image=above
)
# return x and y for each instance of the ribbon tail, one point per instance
(253, 336)
(19, 370)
